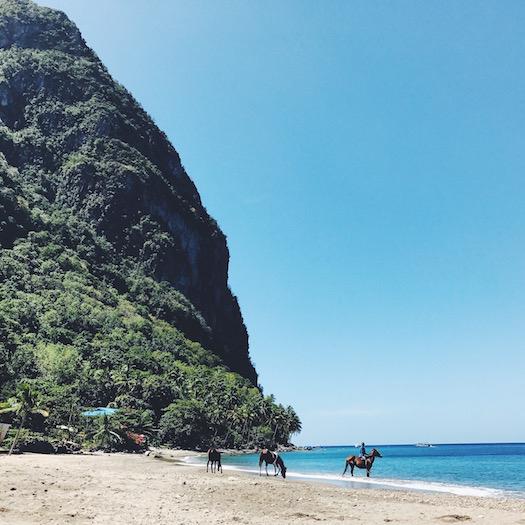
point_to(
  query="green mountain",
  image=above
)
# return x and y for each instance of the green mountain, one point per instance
(114, 278)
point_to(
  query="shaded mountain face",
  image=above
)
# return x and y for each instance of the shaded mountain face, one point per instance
(73, 139)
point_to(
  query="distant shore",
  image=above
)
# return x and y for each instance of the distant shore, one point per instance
(135, 489)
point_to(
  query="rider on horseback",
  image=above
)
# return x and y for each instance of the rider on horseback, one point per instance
(364, 460)
(362, 452)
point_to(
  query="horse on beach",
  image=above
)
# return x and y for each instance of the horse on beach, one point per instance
(214, 458)
(359, 462)
(272, 458)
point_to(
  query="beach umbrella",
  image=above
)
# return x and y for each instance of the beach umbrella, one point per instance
(100, 411)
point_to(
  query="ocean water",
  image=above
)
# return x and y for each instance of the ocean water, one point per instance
(496, 469)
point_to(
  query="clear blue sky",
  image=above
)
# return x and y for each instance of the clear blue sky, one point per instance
(367, 162)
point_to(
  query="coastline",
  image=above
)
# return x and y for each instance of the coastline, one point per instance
(197, 459)
(133, 489)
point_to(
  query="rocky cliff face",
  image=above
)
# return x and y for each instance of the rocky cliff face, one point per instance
(84, 144)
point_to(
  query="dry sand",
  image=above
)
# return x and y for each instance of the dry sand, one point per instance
(127, 489)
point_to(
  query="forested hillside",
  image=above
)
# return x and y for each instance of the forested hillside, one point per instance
(113, 277)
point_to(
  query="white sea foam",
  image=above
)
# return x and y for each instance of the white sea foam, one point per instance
(404, 484)
(378, 483)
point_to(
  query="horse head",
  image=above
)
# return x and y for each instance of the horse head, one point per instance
(280, 462)
(375, 453)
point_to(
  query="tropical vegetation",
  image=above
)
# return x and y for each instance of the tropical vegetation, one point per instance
(74, 338)
(100, 234)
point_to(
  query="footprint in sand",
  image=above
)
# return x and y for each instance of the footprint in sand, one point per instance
(306, 516)
(454, 518)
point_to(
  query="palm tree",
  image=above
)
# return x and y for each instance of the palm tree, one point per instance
(279, 420)
(22, 405)
(266, 409)
(125, 381)
(294, 425)
(215, 417)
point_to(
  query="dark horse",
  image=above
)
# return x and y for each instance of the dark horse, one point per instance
(214, 457)
(357, 461)
(271, 458)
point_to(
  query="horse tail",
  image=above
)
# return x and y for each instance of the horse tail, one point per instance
(348, 462)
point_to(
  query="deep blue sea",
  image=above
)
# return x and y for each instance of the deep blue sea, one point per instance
(496, 469)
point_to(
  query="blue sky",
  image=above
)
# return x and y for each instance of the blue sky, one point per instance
(366, 161)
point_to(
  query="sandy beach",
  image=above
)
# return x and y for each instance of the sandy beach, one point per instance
(129, 489)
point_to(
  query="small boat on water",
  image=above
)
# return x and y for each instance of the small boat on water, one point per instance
(424, 445)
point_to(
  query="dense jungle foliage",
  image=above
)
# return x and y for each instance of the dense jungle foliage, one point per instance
(85, 329)
(94, 307)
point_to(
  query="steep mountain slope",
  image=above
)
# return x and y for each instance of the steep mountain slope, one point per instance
(67, 126)
(113, 277)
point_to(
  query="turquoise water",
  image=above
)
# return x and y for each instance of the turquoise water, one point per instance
(470, 469)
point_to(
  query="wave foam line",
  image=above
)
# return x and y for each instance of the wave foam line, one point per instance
(403, 484)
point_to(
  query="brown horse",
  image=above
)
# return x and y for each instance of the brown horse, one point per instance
(359, 462)
(214, 457)
(272, 458)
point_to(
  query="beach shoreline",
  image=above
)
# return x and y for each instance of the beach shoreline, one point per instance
(359, 482)
(134, 489)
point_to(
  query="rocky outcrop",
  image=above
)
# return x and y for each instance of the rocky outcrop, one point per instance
(81, 138)
(28, 26)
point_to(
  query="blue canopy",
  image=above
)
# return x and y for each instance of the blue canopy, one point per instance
(100, 411)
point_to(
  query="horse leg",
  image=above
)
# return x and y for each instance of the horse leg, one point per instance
(266, 467)
(220, 465)
(346, 468)
(352, 469)
(207, 465)
(276, 469)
